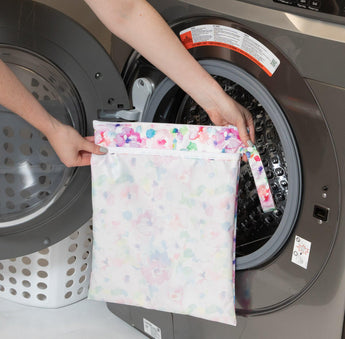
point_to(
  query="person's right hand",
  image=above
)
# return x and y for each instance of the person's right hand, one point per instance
(223, 110)
(72, 149)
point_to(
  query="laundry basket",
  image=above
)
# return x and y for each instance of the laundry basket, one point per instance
(53, 277)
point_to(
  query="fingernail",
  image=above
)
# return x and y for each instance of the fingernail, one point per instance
(249, 143)
(103, 150)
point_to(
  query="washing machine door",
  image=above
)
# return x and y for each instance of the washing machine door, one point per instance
(72, 76)
(279, 254)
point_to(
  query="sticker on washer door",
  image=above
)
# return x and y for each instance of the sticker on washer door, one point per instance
(234, 39)
(301, 251)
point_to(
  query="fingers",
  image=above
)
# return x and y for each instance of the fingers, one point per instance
(242, 131)
(91, 147)
(245, 124)
(86, 149)
(250, 124)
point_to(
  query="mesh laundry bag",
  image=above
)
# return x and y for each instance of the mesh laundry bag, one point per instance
(164, 204)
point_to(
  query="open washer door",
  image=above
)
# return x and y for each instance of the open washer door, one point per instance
(72, 76)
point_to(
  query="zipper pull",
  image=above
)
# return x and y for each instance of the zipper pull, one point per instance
(260, 178)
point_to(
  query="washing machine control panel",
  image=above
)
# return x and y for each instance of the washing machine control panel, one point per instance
(335, 7)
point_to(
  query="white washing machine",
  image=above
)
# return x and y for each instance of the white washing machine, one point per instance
(283, 60)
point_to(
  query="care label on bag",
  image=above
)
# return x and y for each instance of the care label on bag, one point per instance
(151, 329)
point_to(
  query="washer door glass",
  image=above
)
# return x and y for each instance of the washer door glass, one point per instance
(32, 176)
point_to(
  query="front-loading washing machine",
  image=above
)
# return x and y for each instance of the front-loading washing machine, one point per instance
(73, 77)
(283, 60)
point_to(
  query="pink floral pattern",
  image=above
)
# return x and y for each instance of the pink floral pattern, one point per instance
(164, 204)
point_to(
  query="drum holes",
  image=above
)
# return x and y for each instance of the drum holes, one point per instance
(8, 132)
(25, 149)
(9, 192)
(8, 147)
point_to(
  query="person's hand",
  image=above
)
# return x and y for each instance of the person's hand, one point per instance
(228, 111)
(72, 149)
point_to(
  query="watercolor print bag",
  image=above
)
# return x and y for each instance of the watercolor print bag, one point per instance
(164, 214)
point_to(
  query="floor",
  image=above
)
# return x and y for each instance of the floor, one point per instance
(86, 319)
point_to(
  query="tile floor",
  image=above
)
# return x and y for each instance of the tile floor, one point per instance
(86, 319)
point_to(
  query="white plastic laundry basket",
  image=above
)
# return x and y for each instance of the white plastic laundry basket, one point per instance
(53, 277)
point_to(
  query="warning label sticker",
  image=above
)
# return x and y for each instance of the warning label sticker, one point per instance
(231, 38)
(301, 251)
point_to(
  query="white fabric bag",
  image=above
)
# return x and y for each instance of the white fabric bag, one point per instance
(164, 205)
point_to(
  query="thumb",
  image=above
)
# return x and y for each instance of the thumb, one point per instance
(91, 147)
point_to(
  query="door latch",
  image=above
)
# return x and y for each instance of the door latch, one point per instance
(141, 92)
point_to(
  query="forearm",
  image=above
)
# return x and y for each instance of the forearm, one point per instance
(137, 23)
(15, 97)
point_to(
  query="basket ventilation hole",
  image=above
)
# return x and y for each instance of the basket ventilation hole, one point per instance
(42, 274)
(87, 242)
(26, 260)
(13, 280)
(26, 283)
(74, 235)
(43, 262)
(41, 297)
(26, 272)
(42, 286)
(26, 295)
(70, 272)
(86, 255)
(12, 269)
(44, 251)
(71, 260)
(69, 283)
(73, 247)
